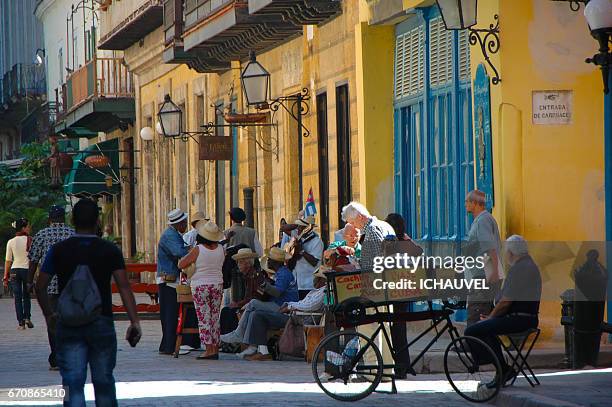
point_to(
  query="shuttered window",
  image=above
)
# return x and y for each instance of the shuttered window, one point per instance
(434, 154)
(440, 53)
(409, 63)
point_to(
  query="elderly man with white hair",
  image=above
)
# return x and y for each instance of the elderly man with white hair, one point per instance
(517, 308)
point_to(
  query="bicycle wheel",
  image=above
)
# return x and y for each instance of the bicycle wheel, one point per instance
(474, 381)
(347, 366)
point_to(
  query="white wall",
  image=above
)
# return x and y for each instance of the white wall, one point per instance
(59, 49)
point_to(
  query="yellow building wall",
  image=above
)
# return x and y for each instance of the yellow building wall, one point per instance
(171, 174)
(548, 179)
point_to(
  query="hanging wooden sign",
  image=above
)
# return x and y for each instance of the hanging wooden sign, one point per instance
(216, 148)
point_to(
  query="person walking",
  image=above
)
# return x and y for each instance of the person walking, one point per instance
(170, 249)
(207, 284)
(483, 240)
(16, 270)
(56, 232)
(92, 341)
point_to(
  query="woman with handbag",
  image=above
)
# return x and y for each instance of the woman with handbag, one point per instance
(16, 265)
(207, 284)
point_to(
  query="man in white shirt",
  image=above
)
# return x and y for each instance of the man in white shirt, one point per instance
(307, 255)
(190, 237)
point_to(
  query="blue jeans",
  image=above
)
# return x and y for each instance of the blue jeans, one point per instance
(19, 278)
(94, 344)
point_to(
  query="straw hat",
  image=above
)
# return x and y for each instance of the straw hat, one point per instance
(275, 254)
(308, 221)
(198, 216)
(245, 253)
(210, 231)
(176, 216)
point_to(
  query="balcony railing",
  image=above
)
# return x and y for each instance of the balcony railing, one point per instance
(21, 81)
(99, 78)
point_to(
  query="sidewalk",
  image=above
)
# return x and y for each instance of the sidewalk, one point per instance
(145, 378)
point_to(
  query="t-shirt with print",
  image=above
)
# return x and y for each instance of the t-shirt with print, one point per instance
(101, 256)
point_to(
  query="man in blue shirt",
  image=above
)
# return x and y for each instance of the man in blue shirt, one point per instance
(284, 290)
(170, 249)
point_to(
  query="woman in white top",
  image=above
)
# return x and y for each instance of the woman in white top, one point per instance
(207, 284)
(16, 265)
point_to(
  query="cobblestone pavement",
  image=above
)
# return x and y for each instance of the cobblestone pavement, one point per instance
(145, 378)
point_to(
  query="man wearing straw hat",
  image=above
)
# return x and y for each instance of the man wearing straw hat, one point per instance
(190, 237)
(170, 249)
(245, 260)
(283, 290)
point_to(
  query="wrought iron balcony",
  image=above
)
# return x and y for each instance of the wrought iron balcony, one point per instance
(208, 34)
(22, 81)
(99, 96)
(140, 22)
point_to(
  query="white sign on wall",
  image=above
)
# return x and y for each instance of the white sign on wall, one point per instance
(552, 106)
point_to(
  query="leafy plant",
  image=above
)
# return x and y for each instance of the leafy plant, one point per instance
(26, 192)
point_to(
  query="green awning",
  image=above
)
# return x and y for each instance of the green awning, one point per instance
(85, 181)
(74, 132)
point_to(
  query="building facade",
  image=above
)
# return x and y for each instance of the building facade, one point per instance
(455, 129)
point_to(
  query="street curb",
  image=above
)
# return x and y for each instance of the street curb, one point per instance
(433, 361)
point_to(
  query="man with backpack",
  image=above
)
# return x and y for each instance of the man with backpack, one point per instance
(85, 334)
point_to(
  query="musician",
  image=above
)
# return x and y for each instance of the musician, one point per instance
(284, 289)
(306, 253)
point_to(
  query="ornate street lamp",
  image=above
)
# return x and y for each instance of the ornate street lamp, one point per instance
(170, 118)
(255, 82)
(461, 15)
(598, 14)
(256, 85)
(458, 14)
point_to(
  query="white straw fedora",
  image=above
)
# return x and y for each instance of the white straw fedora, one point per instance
(176, 216)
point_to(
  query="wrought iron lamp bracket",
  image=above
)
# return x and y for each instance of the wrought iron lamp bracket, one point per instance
(296, 105)
(488, 40)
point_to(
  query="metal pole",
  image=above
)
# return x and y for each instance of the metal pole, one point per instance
(72, 36)
(608, 189)
(299, 124)
(249, 206)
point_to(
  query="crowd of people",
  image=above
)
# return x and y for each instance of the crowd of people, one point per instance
(240, 291)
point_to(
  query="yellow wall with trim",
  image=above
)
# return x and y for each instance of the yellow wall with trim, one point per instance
(548, 179)
(322, 59)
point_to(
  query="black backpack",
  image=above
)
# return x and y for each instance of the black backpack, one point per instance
(80, 302)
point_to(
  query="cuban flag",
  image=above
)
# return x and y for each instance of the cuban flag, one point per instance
(310, 209)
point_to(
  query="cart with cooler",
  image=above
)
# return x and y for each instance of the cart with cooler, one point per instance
(348, 364)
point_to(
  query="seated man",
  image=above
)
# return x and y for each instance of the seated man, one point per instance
(518, 306)
(261, 322)
(283, 290)
(245, 259)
